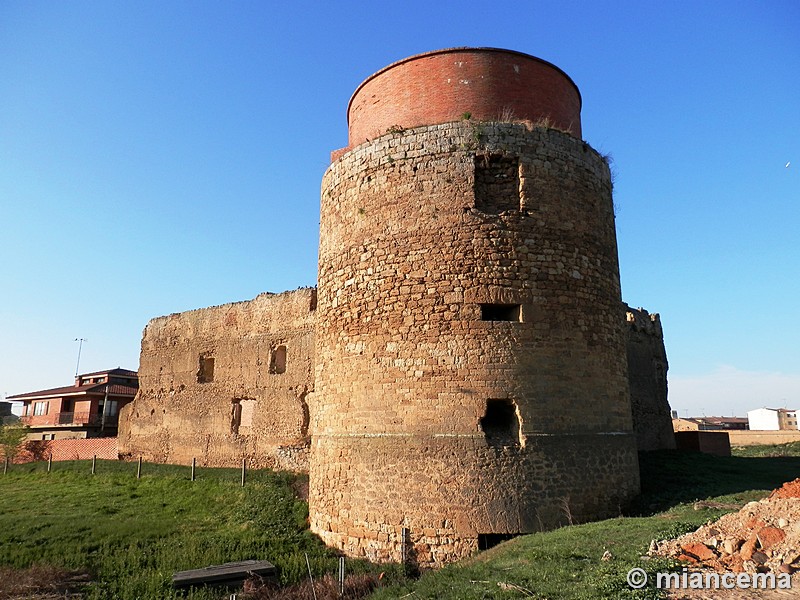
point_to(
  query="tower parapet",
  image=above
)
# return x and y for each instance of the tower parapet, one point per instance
(482, 84)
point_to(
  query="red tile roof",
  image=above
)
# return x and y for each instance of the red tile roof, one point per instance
(114, 389)
(117, 371)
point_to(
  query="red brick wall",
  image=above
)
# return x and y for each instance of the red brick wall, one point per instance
(80, 449)
(441, 86)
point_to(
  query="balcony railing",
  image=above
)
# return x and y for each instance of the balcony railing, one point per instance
(70, 419)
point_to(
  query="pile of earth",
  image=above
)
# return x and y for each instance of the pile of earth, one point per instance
(762, 537)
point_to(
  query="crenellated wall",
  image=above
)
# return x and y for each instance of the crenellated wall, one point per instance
(224, 383)
(647, 375)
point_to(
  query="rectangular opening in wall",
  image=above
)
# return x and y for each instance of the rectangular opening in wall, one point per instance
(490, 540)
(277, 361)
(205, 372)
(500, 424)
(236, 415)
(496, 183)
(501, 312)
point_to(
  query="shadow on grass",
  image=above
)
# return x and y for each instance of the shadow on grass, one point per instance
(671, 477)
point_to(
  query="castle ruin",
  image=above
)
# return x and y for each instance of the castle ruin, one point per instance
(465, 369)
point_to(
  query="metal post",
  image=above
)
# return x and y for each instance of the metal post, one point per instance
(105, 408)
(80, 346)
(5, 466)
(341, 576)
(139, 469)
(94, 463)
(49, 462)
(244, 470)
(308, 564)
(194, 460)
(404, 545)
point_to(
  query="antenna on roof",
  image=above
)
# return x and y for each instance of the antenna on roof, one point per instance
(80, 346)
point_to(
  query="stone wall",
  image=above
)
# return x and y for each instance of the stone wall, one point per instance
(225, 383)
(471, 370)
(647, 375)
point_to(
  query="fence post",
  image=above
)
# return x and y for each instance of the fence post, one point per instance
(5, 466)
(341, 576)
(49, 462)
(244, 470)
(94, 463)
(139, 469)
(194, 460)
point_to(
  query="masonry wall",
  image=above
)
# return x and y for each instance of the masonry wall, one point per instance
(446, 85)
(225, 383)
(433, 411)
(647, 375)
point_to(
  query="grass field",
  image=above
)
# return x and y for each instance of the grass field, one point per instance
(132, 534)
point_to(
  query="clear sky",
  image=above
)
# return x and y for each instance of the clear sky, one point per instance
(159, 156)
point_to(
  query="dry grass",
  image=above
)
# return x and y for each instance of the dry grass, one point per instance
(327, 588)
(41, 582)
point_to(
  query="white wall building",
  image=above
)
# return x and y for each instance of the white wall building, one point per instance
(772, 419)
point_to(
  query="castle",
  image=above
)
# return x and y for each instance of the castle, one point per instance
(465, 370)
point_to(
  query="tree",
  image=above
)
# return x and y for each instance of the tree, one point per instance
(11, 438)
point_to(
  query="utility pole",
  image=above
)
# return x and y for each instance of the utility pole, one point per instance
(80, 346)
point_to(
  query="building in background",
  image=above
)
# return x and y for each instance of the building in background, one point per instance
(709, 423)
(89, 408)
(772, 419)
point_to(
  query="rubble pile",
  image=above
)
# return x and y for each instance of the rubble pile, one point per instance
(762, 537)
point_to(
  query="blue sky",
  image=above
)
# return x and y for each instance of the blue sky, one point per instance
(161, 156)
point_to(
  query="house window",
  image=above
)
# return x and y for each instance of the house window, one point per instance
(496, 183)
(277, 362)
(40, 408)
(500, 424)
(501, 312)
(205, 374)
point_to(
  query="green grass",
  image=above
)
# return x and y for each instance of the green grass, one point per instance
(790, 449)
(133, 534)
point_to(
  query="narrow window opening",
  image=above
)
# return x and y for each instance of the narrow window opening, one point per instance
(490, 540)
(277, 363)
(500, 424)
(497, 183)
(501, 312)
(236, 415)
(205, 373)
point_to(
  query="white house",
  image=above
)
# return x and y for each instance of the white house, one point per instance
(772, 419)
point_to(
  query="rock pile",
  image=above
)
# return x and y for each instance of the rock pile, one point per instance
(762, 537)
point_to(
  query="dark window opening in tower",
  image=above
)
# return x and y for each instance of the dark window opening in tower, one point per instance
(236, 415)
(501, 312)
(205, 373)
(500, 424)
(277, 363)
(490, 540)
(496, 183)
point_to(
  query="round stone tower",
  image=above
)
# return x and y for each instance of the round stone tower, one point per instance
(471, 377)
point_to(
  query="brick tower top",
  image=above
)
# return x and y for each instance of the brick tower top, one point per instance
(485, 84)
